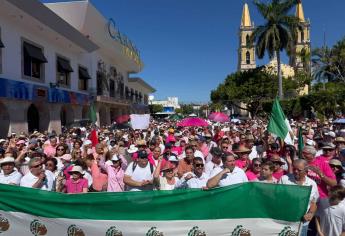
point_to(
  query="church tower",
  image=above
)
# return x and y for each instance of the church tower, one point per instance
(302, 41)
(246, 51)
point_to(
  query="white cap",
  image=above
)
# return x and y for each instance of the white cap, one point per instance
(2, 140)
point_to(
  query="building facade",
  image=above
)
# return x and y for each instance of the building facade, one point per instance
(169, 105)
(56, 60)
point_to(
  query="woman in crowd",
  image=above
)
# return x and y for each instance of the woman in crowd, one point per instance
(255, 168)
(338, 171)
(167, 181)
(76, 184)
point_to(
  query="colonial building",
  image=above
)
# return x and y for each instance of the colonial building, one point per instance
(246, 51)
(56, 59)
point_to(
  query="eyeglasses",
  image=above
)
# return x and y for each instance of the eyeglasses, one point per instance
(143, 157)
(169, 170)
(199, 165)
(61, 149)
(116, 161)
(257, 165)
(77, 152)
(225, 147)
(49, 164)
(277, 163)
(328, 150)
(335, 166)
(36, 166)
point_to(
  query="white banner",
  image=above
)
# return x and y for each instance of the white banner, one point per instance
(140, 121)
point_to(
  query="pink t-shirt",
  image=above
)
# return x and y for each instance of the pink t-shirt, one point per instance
(242, 163)
(251, 175)
(322, 163)
(76, 186)
(277, 175)
(49, 151)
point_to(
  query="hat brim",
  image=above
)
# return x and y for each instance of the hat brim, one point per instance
(131, 151)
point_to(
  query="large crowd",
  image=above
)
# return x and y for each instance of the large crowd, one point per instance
(166, 157)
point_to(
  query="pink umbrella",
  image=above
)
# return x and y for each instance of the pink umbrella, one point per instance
(218, 117)
(192, 121)
(122, 119)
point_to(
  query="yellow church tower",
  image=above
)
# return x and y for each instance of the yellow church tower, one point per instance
(246, 51)
(302, 41)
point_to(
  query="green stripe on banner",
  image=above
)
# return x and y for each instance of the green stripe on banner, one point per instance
(249, 200)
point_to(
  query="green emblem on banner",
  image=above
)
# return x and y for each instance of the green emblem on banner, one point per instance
(287, 231)
(112, 231)
(37, 228)
(154, 232)
(4, 224)
(195, 231)
(240, 231)
(74, 230)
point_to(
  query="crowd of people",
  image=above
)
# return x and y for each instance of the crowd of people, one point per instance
(166, 157)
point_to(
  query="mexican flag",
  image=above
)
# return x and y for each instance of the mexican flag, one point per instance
(278, 124)
(237, 210)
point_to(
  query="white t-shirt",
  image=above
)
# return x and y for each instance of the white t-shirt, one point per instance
(139, 174)
(29, 179)
(210, 166)
(164, 185)
(291, 180)
(332, 220)
(195, 182)
(13, 178)
(235, 177)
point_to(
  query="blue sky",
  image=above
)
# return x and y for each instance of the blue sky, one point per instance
(190, 46)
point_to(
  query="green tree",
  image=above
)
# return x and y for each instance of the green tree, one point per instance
(187, 109)
(278, 33)
(251, 88)
(154, 108)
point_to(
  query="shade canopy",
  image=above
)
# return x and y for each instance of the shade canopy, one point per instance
(192, 122)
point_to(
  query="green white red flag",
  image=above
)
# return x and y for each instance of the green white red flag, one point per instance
(243, 209)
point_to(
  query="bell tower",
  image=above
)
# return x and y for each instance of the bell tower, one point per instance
(246, 51)
(302, 48)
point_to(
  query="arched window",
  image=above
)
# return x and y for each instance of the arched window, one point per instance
(247, 40)
(248, 58)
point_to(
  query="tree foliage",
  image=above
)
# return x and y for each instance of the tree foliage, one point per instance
(250, 87)
(154, 108)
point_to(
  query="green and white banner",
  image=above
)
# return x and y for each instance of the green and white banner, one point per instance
(238, 210)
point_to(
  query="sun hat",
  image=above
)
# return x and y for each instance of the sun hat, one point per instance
(7, 160)
(2, 140)
(335, 162)
(340, 140)
(141, 142)
(208, 135)
(66, 157)
(132, 149)
(330, 133)
(241, 149)
(76, 169)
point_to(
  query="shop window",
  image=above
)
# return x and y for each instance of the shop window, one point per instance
(33, 61)
(84, 78)
(64, 70)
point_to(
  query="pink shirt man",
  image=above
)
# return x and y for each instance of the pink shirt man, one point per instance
(322, 164)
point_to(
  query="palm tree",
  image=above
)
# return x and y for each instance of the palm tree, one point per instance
(278, 33)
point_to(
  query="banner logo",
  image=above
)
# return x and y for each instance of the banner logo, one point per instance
(195, 231)
(240, 231)
(112, 231)
(37, 228)
(287, 231)
(4, 224)
(73, 230)
(154, 232)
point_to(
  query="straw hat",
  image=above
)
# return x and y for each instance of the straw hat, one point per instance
(7, 160)
(242, 149)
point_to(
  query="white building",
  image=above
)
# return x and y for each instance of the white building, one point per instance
(169, 105)
(56, 59)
